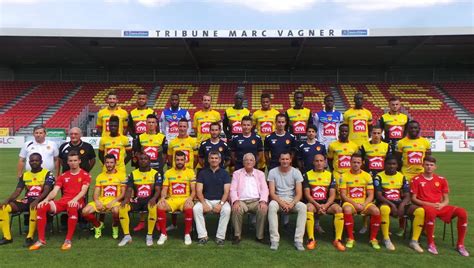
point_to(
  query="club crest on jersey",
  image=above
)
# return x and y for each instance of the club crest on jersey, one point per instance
(287, 141)
(254, 141)
(82, 151)
(221, 149)
(437, 184)
(318, 148)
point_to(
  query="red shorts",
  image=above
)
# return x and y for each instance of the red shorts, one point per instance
(61, 205)
(445, 214)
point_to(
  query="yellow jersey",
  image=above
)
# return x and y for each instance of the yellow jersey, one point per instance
(202, 123)
(393, 125)
(391, 186)
(234, 117)
(375, 155)
(340, 153)
(34, 182)
(413, 152)
(298, 120)
(110, 184)
(264, 121)
(103, 119)
(143, 183)
(153, 145)
(116, 146)
(358, 121)
(319, 184)
(356, 185)
(179, 182)
(138, 119)
(188, 146)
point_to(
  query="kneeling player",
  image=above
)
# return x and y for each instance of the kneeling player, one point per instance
(357, 193)
(109, 191)
(393, 196)
(432, 193)
(179, 189)
(320, 192)
(145, 184)
(74, 184)
(37, 182)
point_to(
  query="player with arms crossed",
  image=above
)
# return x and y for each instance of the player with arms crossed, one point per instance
(104, 115)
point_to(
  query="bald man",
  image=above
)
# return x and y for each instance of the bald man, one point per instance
(85, 150)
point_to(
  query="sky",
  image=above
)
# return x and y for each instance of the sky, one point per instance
(235, 14)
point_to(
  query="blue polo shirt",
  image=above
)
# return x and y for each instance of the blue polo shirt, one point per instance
(213, 182)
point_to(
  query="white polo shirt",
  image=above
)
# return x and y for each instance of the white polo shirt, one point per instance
(48, 150)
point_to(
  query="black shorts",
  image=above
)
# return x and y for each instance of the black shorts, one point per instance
(139, 204)
(23, 205)
(397, 203)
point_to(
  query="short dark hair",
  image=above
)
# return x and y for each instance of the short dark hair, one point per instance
(111, 93)
(343, 125)
(328, 96)
(179, 153)
(114, 118)
(39, 127)
(214, 152)
(377, 126)
(313, 127)
(265, 96)
(284, 152)
(37, 154)
(356, 155)
(429, 158)
(151, 116)
(413, 122)
(390, 157)
(297, 93)
(394, 98)
(215, 124)
(72, 153)
(183, 120)
(281, 115)
(142, 93)
(110, 156)
(246, 118)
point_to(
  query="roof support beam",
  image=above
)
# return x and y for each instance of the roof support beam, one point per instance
(298, 54)
(191, 54)
(406, 53)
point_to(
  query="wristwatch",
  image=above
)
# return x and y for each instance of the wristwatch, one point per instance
(221, 203)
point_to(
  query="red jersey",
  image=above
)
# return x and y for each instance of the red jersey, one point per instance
(71, 185)
(429, 190)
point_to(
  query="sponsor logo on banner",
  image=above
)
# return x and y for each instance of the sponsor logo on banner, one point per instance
(4, 131)
(344, 161)
(392, 194)
(140, 127)
(357, 32)
(319, 192)
(178, 188)
(450, 135)
(266, 127)
(299, 127)
(329, 129)
(438, 145)
(136, 33)
(12, 141)
(395, 132)
(415, 158)
(236, 127)
(359, 126)
(463, 146)
(244, 33)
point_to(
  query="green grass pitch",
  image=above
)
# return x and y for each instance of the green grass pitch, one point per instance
(90, 252)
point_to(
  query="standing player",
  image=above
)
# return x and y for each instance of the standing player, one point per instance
(393, 123)
(185, 144)
(233, 117)
(247, 142)
(393, 196)
(170, 117)
(37, 183)
(340, 152)
(357, 193)
(308, 149)
(214, 144)
(153, 144)
(106, 113)
(109, 191)
(179, 190)
(74, 185)
(203, 119)
(142, 193)
(116, 144)
(431, 191)
(299, 117)
(137, 122)
(320, 192)
(411, 151)
(86, 151)
(374, 152)
(359, 120)
(327, 122)
(264, 121)
(278, 142)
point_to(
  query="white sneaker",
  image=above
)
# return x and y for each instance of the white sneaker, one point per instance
(363, 230)
(149, 240)
(187, 240)
(388, 244)
(162, 239)
(125, 240)
(171, 227)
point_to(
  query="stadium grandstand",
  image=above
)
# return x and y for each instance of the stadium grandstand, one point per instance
(61, 80)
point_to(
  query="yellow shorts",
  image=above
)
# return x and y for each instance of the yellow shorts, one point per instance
(176, 203)
(354, 209)
(105, 201)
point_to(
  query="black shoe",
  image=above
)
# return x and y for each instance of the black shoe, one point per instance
(28, 242)
(5, 241)
(220, 242)
(202, 241)
(236, 240)
(262, 241)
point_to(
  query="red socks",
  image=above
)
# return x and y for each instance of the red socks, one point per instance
(349, 225)
(41, 220)
(462, 224)
(188, 220)
(92, 219)
(162, 221)
(71, 222)
(374, 226)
